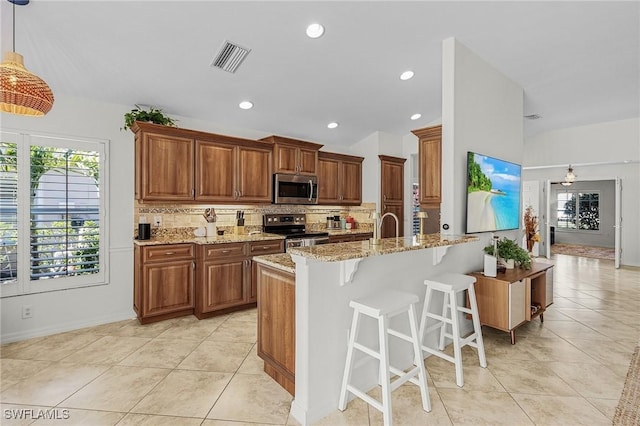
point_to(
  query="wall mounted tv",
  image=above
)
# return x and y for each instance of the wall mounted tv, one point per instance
(493, 194)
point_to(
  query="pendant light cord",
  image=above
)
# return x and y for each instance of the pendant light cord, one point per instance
(14, 27)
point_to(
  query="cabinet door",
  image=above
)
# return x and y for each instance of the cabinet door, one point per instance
(215, 172)
(328, 181)
(429, 159)
(518, 307)
(223, 286)
(307, 161)
(254, 175)
(167, 168)
(351, 182)
(169, 287)
(285, 159)
(392, 181)
(389, 225)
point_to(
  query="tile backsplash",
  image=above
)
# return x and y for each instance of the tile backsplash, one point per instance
(192, 216)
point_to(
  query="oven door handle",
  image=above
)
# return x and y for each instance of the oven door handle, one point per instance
(310, 189)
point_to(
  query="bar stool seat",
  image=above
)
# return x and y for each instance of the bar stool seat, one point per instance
(383, 306)
(450, 284)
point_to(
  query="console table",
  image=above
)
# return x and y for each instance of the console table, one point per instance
(514, 297)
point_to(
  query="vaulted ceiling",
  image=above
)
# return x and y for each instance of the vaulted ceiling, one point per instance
(578, 62)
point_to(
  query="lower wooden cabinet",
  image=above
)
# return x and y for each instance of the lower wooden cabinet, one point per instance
(163, 281)
(277, 324)
(346, 238)
(224, 278)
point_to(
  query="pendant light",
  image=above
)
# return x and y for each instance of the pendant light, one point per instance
(570, 177)
(21, 91)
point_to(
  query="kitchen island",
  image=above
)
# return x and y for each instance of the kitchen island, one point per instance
(327, 277)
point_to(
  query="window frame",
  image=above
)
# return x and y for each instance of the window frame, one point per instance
(577, 227)
(24, 284)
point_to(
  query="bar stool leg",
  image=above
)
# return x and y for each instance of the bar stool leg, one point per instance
(419, 360)
(425, 311)
(477, 328)
(384, 367)
(443, 328)
(346, 378)
(455, 331)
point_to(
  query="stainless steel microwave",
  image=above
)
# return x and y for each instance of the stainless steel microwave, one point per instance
(295, 189)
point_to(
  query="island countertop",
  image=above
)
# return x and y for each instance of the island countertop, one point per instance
(361, 249)
(280, 261)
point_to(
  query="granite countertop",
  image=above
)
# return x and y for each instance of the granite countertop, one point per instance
(280, 261)
(348, 231)
(359, 249)
(219, 239)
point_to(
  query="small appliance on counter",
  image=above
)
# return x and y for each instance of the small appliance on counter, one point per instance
(292, 226)
(144, 231)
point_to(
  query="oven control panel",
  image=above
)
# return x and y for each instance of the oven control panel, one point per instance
(283, 219)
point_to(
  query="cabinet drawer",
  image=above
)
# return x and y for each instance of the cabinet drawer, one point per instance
(168, 252)
(266, 247)
(223, 251)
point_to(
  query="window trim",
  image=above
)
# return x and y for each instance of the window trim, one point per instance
(24, 284)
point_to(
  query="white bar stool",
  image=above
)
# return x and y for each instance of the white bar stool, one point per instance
(383, 306)
(450, 284)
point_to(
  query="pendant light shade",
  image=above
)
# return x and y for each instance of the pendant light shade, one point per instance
(570, 177)
(21, 91)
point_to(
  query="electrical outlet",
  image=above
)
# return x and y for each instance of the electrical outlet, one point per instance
(27, 311)
(142, 219)
(157, 221)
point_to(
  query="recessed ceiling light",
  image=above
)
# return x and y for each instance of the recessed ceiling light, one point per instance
(406, 75)
(315, 30)
(246, 105)
(416, 116)
(332, 125)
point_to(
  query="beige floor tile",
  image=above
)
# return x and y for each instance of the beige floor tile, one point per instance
(107, 350)
(184, 393)
(604, 352)
(238, 331)
(105, 392)
(9, 350)
(109, 328)
(150, 420)
(75, 417)
(406, 406)
(482, 408)
(443, 374)
(356, 414)
(268, 401)
(583, 314)
(499, 348)
(532, 378)
(250, 315)
(19, 415)
(55, 347)
(16, 370)
(573, 329)
(252, 364)
(209, 422)
(605, 406)
(590, 382)
(223, 357)
(544, 349)
(191, 328)
(560, 410)
(161, 353)
(563, 302)
(135, 329)
(54, 384)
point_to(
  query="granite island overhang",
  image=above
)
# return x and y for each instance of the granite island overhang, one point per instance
(329, 276)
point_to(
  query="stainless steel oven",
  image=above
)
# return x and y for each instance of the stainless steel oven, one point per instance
(292, 226)
(295, 189)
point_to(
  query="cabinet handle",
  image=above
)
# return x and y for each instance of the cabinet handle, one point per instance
(169, 253)
(226, 251)
(265, 247)
(193, 265)
(384, 198)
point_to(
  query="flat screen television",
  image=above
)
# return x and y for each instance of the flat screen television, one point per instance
(493, 194)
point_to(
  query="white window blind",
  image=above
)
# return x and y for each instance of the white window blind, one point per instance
(53, 214)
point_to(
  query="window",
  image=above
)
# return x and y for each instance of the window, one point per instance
(578, 210)
(52, 213)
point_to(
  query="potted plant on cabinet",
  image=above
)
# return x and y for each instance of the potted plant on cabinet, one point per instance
(153, 115)
(510, 250)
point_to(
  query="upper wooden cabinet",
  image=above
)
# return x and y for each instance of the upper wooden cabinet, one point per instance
(294, 156)
(339, 179)
(185, 165)
(430, 165)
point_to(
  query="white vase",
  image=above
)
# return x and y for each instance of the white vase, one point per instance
(211, 229)
(508, 263)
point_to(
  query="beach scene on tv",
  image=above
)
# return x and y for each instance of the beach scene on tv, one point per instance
(493, 194)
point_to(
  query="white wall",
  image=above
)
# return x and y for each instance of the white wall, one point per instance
(597, 152)
(482, 112)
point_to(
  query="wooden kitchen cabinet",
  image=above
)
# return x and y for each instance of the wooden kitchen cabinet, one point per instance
(224, 277)
(277, 324)
(185, 165)
(392, 194)
(163, 281)
(227, 173)
(430, 166)
(347, 238)
(513, 297)
(294, 156)
(339, 179)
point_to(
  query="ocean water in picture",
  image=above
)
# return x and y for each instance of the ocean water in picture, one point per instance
(506, 208)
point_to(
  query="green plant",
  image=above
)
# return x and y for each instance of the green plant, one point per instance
(154, 115)
(509, 249)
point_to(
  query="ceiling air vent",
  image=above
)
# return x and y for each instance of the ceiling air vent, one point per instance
(230, 57)
(532, 116)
